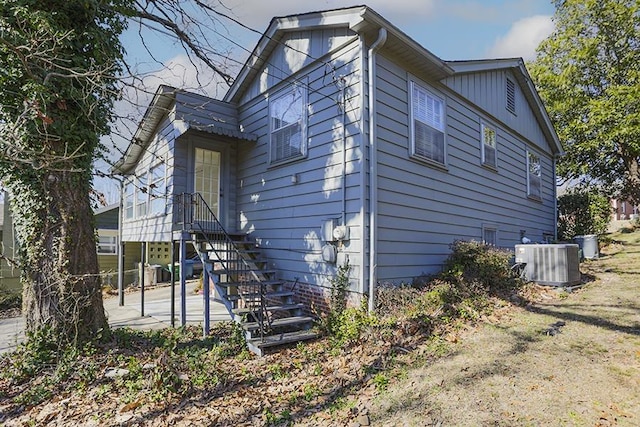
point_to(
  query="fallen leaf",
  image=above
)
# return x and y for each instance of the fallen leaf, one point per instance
(130, 406)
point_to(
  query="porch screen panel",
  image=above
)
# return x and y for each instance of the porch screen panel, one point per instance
(207, 177)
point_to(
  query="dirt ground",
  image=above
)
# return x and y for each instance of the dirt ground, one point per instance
(568, 360)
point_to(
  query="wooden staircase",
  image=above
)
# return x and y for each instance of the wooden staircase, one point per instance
(250, 291)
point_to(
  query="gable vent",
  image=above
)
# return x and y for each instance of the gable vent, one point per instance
(511, 96)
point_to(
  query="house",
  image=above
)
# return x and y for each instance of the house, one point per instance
(342, 140)
(623, 210)
(106, 222)
(9, 272)
(107, 230)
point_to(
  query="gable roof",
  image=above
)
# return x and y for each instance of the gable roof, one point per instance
(360, 19)
(367, 22)
(165, 102)
(516, 65)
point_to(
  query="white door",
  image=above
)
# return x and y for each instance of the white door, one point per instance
(207, 178)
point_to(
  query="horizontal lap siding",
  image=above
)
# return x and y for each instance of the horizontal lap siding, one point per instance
(286, 218)
(423, 209)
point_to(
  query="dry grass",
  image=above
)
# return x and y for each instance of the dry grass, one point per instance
(513, 372)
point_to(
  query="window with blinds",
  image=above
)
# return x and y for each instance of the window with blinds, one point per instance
(428, 125)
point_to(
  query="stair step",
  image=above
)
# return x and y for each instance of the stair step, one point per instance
(269, 295)
(278, 323)
(282, 339)
(282, 307)
(250, 283)
(232, 271)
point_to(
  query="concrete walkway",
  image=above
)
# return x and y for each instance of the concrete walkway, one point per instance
(157, 313)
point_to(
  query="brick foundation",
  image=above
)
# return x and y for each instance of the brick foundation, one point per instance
(317, 299)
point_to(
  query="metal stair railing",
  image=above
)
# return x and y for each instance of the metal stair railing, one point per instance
(195, 216)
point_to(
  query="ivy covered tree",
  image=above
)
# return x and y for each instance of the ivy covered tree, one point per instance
(57, 87)
(61, 70)
(587, 73)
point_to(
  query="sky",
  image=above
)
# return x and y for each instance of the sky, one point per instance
(451, 29)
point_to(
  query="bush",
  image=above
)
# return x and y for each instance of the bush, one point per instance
(430, 304)
(582, 210)
(10, 300)
(474, 264)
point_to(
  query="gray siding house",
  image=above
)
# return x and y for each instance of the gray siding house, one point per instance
(342, 140)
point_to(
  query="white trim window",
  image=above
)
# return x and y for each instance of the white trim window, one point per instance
(157, 189)
(142, 196)
(129, 193)
(488, 136)
(534, 176)
(107, 242)
(287, 125)
(427, 125)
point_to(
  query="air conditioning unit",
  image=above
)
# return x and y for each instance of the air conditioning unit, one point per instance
(556, 265)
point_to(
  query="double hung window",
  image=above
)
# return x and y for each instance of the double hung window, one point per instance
(287, 124)
(427, 125)
(489, 145)
(534, 176)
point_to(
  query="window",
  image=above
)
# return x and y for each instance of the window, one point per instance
(107, 245)
(157, 189)
(490, 235)
(141, 196)
(511, 96)
(129, 191)
(488, 136)
(287, 117)
(534, 176)
(427, 124)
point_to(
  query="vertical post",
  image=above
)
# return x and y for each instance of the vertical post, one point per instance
(143, 256)
(120, 248)
(183, 280)
(205, 293)
(120, 271)
(173, 284)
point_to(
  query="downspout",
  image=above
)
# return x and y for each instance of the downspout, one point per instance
(555, 198)
(363, 273)
(373, 167)
(343, 107)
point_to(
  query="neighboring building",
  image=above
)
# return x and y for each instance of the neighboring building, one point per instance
(623, 210)
(9, 273)
(107, 233)
(344, 140)
(106, 219)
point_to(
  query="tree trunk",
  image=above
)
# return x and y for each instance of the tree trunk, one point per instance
(61, 288)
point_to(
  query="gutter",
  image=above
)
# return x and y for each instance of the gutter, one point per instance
(373, 167)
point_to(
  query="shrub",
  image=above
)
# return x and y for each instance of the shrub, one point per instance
(582, 210)
(474, 264)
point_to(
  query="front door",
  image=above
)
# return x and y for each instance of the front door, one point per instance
(207, 178)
